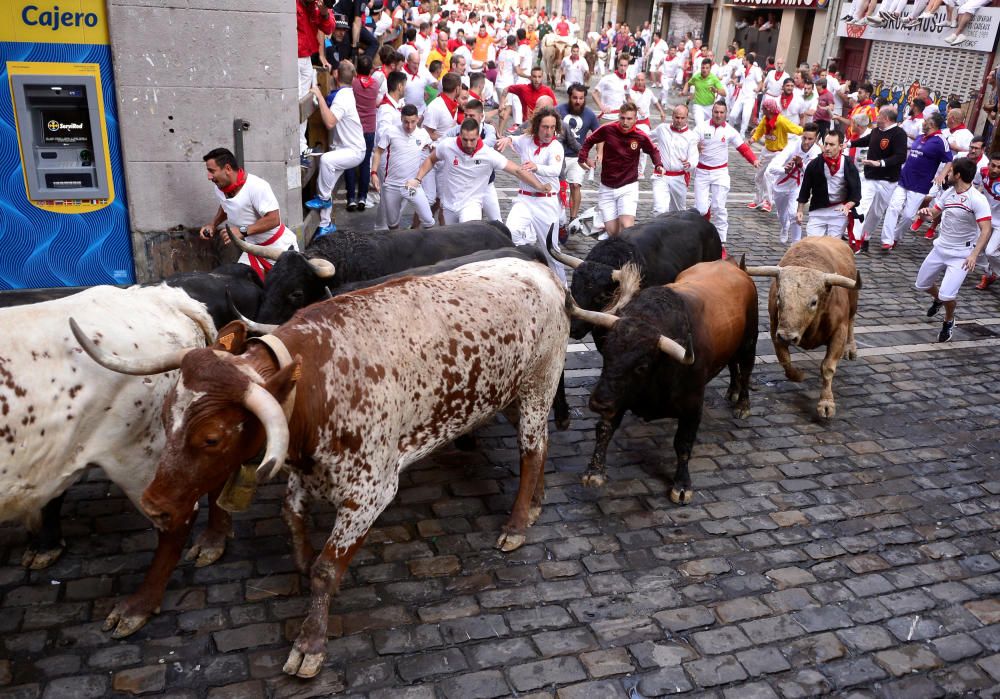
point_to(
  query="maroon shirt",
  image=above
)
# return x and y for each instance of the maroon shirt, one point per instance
(365, 95)
(620, 165)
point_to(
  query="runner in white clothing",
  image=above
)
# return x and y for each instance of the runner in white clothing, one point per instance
(785, 173)
(611, 91)
(248, 207)
(644, 101)
(417, 79)
(535, 212)
(405, 147)
(678, 147)
(574, 68)
(963, 234)
(711, 177)
(775, 79)
(466, 166)
(988, 179)
(347, 143)
(745, 95)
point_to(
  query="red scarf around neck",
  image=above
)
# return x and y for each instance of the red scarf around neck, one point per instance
(452, 106)
(620, 75)
(232, 189)
(786, 100)
(406, 67)
(833, 164)
(479, 145)
(539, 145)
(366, 81)
(770, 122)
(675, 129)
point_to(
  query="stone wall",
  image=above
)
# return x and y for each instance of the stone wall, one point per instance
(183, 74)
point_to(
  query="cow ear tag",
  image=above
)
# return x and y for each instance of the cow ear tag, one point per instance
(237, 494)
(227, 341)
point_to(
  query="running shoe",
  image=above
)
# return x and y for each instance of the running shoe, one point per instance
(986, 282)
(351, 206)
(887, 247)
(934, 308)
(766, 207)
(752, 205)
(325, 230)
(318, 202)
(916, 225)
(947, 330)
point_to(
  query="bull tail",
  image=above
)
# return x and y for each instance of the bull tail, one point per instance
(204, 322)
(857, 280)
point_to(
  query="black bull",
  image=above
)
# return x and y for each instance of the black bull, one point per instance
(660, 248)
(298, 279)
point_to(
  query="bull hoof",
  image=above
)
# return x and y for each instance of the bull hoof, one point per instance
(304, 665)
(852, 353)
(793, 374)
(37, 560)
(534, 512)
(510, 542)
(826, 409)
(741, 412)
(124, 621)
(208, 548)
(681, 496)
(732, 396)
(593, 480)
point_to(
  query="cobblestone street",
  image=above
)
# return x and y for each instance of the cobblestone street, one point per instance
(858, 556)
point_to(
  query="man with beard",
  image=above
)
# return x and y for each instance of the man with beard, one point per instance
(580, 120)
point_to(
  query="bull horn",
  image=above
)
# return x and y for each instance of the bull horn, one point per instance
(675, 350)
(136, 366)
(252, 325)
(604, 320)
(267, 409)
(839, 280)
(324, 269)
(327, 294)
(265, 251)
(568, 260)
(768, 271)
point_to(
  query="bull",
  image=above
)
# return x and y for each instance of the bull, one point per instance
(299, 279)
(235, 281)
(659, 249)
(352, 391)
(662, 350)
(62, 413)
(813, 301)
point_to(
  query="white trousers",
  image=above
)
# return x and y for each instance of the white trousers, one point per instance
(332, 165)
(491, 204)
(669, 193)
(940, 261)
(762, 182)
(903, 207)
(702, 113)
(307, 78)
(829, 222)
(470, 211)
(529, 221)
(881, 192)
(742, 112)
(785, 205)
(390, 205)
(991, 255)
(711, 189)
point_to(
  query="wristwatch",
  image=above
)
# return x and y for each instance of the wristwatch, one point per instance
(243, 230)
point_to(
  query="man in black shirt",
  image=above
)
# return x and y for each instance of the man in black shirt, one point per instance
(354, 12)
(887, 151)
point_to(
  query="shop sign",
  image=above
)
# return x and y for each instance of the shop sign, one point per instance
(980, 33)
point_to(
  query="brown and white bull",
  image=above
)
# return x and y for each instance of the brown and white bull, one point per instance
(354, 389)
(812, 302)
(60, 413)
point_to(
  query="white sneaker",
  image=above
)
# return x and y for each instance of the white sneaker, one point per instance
(950, 39)
(925, 15)
(959, 39)
(783, 238)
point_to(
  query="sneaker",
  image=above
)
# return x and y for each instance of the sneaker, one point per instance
(361, 206)
(351, 206)
(887, 247)
(959, 39)
(986, 281)
(947, 330)
(325, 230)
(925, 15)
(766, 207)
(875, 21)
(911, 22)
(319, 202)
(934, 308)
(783, 236)
(752, 205)
(930, 233)
(849, 18)
(916, 225)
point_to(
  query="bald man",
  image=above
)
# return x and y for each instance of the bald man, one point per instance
(679, 148)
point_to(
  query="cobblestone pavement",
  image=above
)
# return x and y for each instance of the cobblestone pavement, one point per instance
(856, 557)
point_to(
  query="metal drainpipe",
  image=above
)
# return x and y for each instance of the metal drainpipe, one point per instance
(239, 126)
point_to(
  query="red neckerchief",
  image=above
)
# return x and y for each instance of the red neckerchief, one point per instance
(833, 165)
(366, 81)
(452, 106)
(635, 89)
(406, 67)
(413, 44)
(620, 75)
(473, 95)
(786, 102)
(385, 72)
(866, 103)
(231, 190)
(422, 35)
(958, 128)
(386, 100)
(479, 145)
(778, 74)
(770, 122)
(675, 129)
(917, 116)
(747, 71)
(928, 137)
(538, 145)
(524, 43)
(574, 60)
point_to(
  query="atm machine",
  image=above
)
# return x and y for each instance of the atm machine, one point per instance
(63, 215)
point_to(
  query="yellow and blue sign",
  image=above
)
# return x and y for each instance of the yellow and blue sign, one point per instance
(63, 214)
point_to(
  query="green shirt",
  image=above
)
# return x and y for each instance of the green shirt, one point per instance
(703, 94)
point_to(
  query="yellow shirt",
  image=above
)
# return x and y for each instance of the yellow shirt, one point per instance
(435, 55)
(778, 138)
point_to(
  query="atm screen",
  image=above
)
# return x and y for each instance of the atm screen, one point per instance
(62, 127)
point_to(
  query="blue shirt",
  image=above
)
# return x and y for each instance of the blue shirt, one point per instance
(579, 124)
(926, 156)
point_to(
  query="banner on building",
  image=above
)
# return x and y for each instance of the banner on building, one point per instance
(980, 34)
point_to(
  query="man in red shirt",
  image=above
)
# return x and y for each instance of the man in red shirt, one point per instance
(528, 94)
(562, 28)
(618, 195)
(311, 16)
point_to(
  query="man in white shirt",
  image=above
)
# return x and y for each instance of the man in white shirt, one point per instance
(775, 79)
(535, 212)
(790, 105)
(785, 173)
(525, 57)
(611, 91)
(249, 208)
(963, 234)
(678, 146)
(988, 180)
(347, 142)
(959, 137)
(745, 97)
(671, 72)
(409, 146)
(507, 64)
(417, 78)
(466, 165)
(574, 68)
